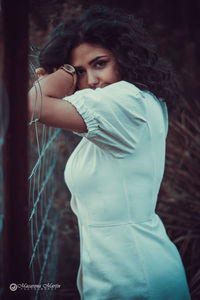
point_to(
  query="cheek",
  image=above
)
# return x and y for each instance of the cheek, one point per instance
(81, 84)
(117, 73)
(113, 75)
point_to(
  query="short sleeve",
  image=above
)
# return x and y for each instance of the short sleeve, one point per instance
(114, 115)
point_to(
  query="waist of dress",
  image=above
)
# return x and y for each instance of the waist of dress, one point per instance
(117, 224)
(107, 224)
(85, 221)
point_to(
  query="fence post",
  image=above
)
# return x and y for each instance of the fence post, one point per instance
(15, 80)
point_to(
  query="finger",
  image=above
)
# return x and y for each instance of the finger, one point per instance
(40, 71)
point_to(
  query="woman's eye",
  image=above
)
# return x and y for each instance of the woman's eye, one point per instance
(101, 63)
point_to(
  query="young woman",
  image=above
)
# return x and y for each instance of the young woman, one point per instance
(113, 94)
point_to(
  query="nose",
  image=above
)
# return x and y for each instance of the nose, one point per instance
(92, 79)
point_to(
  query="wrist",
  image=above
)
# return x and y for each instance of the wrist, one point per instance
(70, 70)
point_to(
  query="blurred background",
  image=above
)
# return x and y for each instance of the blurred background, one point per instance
(175, 26)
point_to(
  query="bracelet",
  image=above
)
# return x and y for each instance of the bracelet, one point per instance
(68, 68)
(71, 70)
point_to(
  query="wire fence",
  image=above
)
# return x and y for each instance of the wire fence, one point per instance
(43, 218)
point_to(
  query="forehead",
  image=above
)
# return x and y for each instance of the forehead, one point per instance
(85, 52)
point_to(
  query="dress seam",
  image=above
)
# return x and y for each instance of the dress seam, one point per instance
(118, 224)
(154, 168)
(126, 195)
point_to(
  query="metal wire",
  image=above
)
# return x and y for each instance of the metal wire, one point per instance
(42, 188)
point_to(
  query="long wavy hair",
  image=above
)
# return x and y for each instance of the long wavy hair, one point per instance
(125, 36)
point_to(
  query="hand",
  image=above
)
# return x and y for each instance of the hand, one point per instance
(57, 84)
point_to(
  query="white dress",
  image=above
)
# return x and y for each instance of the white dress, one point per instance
(114, 176)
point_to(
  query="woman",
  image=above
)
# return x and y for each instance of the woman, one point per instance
(115, 100)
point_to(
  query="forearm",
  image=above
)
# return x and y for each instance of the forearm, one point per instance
(55, 85)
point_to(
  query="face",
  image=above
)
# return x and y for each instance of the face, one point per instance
(95, 66)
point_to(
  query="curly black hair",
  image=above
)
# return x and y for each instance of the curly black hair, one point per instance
(125, 36)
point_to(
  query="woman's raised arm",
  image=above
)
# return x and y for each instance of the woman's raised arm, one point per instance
(49, 106)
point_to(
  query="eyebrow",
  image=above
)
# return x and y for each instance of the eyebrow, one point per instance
(92, 61)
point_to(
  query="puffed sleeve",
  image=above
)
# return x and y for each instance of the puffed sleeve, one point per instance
(114, 115)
